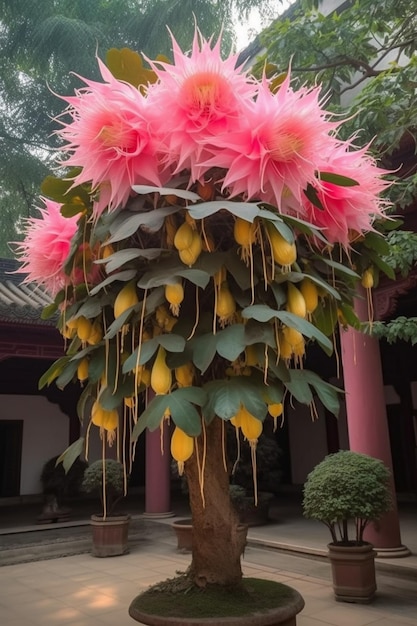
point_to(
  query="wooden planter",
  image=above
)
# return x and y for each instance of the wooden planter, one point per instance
(353, 571)
(110, 535)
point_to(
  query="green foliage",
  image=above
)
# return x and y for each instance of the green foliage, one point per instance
(402, 253)
(114, 482)
(399, 329)
(347, 487)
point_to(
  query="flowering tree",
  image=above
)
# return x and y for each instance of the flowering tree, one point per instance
(206, 228)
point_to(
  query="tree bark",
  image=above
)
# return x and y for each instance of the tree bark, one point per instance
(218, 541)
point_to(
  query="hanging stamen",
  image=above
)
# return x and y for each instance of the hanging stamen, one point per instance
(264, 267)
(197, 314)
(224, 448)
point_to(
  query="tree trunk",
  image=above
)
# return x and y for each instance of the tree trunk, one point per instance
(217, 542)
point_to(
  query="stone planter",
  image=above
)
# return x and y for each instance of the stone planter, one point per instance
(283, 615)
(353, 572)
(110, 535)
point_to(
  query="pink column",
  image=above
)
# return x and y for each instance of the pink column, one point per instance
(367, 420)
(157, 474)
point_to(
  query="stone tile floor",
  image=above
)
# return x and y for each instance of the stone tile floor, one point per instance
(80, 590)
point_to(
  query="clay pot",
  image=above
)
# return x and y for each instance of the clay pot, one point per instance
(353, 571)
(110, 535)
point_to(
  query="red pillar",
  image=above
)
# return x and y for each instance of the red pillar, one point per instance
(367, 420)
(158, 474)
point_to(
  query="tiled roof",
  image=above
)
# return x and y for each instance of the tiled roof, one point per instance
(20, 303)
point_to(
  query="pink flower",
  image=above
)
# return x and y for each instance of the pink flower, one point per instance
(109, 138)
(195, 99)
(348, 211)
(46, 247)
(273, 156)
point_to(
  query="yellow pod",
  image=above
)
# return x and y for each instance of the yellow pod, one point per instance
(220, 276)
(96, 334)
(235, 420)
(275, 409)
(310, 294)
(174, 293)
(84, 328)
(182, 445)
(126, 298)
(368, 279)
(190, 255)
(283, 252)
(250, 425)
(161, 376)
(184, 374)
(292, 336)
(107, 251)
(285, 348)
(226, 304)
(183, 238)
(82, 369)
(251, 357)
(295, 301)
(244, 232)
(109, 420)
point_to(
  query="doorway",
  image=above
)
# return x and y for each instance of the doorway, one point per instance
(11, 436)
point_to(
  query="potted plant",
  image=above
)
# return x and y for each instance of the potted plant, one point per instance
(57, 484)
(109, 528)
(196, 261)
(346, 492)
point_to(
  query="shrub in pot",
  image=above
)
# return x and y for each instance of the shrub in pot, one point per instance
(346, 492)
(110, 529)
(57, 485)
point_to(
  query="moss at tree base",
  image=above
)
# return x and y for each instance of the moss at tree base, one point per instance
(179, 598)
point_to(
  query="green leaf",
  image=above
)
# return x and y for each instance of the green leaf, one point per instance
(246, 210)
(311, 194)
(110, 399)
(226, 396)
(299, 387)
(123, 276)
(381, 264)
(67, 374)
(167, 191)
(171, 342)
(117, 259)
(328, 394)
(53, 372)
(342, 269)
(204, 351)
(152, 416)
(85, 402)
(147, 350)
(337, 179)
(325, 316)
(71, 454)
(126, 224)
(49, 311)
(231, 341)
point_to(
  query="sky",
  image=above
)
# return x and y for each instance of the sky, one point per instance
(246, 32)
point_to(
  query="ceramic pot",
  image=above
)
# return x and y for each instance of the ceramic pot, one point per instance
(110, 535)
(353, 572)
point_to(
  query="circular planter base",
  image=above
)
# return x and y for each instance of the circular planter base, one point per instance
(283, 615)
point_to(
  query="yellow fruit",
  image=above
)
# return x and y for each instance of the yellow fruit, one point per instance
(310, 294)
(295, 301)
(220, 276)
(126, 298)
(84, 328)
(183, 237)
(96, 334)
(251, 357)
(250, 425)
(285, 348)
(244, 232)
(161, 376)
(182, 447)
(129, 401)
(275, 410)
(109, 420)
(82, 369)
(235, 420)
(368, 279)
(226, 305)
(292, 336)
(283, 252)
(185, 374)
(190, 254)
(107, 251)
(174, 293)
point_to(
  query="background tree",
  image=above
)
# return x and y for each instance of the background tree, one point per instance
(42, 42)
(364, 55)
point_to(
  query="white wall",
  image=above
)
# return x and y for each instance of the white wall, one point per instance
(45, 434)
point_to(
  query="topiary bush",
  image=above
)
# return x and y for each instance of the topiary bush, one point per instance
(59, 483)
(347, 487)
(114, 483)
